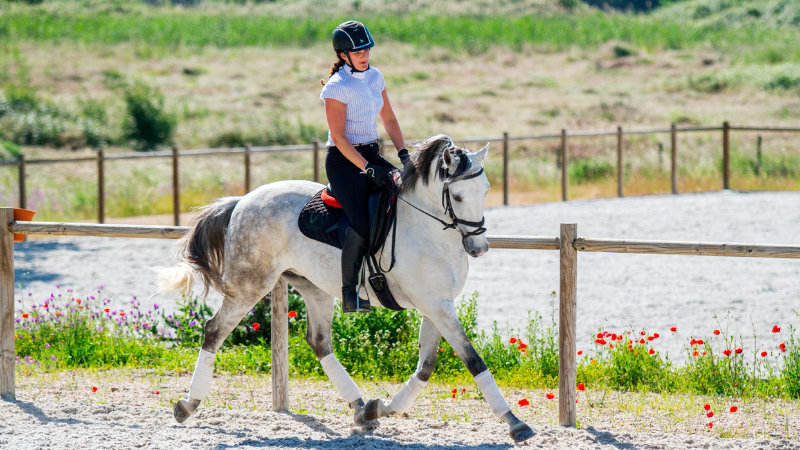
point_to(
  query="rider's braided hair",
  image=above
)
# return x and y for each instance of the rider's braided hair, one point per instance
(334, 68)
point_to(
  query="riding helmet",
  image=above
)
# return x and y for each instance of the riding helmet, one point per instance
(351, 36)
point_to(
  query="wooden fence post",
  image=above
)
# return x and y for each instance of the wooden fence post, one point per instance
(279, 311)
(567, 368)
(564, 160)
(23, 200)
(316, 160)
(247, 180)
(505, 168)
(176, 194)
(726, 155)
(6, 303)
(620, 170)
(674, 163)
(101, 189)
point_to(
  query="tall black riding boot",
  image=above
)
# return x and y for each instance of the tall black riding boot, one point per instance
(353, 249)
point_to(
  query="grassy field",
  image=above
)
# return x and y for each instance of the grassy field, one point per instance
(231, 74)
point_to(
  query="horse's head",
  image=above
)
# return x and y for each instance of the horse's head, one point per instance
(464, 185)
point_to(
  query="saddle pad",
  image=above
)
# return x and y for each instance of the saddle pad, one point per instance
(320, 221)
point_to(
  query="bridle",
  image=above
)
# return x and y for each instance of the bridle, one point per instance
(447, 202)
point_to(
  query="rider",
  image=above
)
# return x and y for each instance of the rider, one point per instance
(354, 95)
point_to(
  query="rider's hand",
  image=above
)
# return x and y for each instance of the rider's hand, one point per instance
(379, 175)
(404, 158)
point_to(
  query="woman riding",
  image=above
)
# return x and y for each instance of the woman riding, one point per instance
(354, 96)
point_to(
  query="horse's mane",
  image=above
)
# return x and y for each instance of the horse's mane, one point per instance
(427, 153)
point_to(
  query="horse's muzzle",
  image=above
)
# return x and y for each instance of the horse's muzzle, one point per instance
(475, 246)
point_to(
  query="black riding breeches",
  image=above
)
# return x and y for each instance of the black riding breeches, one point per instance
(351, 186)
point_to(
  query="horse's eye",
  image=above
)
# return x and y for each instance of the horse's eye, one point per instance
(457, 198)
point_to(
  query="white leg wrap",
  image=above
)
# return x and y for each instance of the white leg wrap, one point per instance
(201, 379)
(341, 380)
(403, 400)
(491, 392)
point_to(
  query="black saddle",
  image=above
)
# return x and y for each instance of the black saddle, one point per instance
(323, 220)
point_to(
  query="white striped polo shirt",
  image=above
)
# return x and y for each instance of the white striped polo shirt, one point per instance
(362, 92)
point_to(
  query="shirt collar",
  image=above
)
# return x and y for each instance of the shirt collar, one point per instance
(349, 71)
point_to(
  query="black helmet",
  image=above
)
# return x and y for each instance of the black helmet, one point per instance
(351, 36)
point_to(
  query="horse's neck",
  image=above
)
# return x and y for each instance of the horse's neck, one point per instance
(415, 224)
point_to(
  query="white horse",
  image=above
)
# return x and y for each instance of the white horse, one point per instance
(242, 245)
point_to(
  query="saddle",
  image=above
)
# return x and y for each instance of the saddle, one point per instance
(323, 219)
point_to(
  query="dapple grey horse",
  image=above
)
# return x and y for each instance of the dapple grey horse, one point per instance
(242, 245)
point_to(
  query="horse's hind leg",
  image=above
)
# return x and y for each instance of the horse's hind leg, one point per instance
(446, 320)
(216, 331)
(319, 307)
(429, 338)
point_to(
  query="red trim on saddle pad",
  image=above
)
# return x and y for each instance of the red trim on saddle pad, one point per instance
(330, 200)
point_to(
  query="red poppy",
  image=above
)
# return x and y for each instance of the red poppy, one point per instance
(156, 392)
(642, 333)
(704, 353)
(693, 342)
(652, 352)
(734, 409)
(463, 390)
(512, 340)
(710, 425)
(600, 341)
(613, 336)
(738, 350)
(763, 354)
(523, 402)
(641, 341)
(454, 390)
(776, 329)
(522, 345)
(581, 387)
(454, 396)
(122, 313)
(710, 414)
(656, 336)
(716, 332)
(94, 388)
(650, 338)
(706, 406)
(695, 353)
(580, 352)
(106, 310)
(24, 315)
(727, 352)
(600, 335)
(292, 314)
(699, 342)
(673, 329)
(782, 346)
(550, 396)
(256, 326)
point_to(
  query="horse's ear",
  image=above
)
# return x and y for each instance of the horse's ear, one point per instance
(451, 160)
(480, 155)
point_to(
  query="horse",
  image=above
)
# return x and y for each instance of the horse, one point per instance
(241, 246)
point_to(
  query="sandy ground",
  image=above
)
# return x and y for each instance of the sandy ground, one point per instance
(616, 292)
(132, 409)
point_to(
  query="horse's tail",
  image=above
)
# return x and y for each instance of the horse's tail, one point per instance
(202, 250)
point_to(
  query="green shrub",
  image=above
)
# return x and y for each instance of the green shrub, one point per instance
(589, 169)
(147, 124)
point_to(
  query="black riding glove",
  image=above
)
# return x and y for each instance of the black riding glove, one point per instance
(404, 158)
(379, 175)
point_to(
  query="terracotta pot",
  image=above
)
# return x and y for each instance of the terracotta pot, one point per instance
(22, 214)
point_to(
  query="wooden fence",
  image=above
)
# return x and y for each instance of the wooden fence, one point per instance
(280, 339)
(563, 154)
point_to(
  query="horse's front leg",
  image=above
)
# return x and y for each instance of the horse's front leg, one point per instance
(429, 338)
(446, 320)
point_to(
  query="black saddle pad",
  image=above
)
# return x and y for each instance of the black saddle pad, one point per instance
(322, 222)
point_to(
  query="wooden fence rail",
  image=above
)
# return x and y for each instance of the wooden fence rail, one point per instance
(280, 357)
(314, 148)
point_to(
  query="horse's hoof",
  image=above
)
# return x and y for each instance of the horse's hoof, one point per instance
(521, 432)
(375, 409)
(362, 416)
(184, 408)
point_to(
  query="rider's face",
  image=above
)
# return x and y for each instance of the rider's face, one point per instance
(359, 59)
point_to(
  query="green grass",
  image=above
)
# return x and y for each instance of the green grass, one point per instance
(66, 331)
(162, 29)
